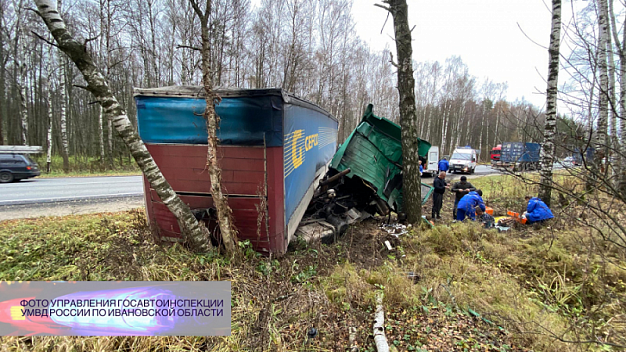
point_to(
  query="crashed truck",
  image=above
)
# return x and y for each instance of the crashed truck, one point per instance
(364, 178)
(274, 149)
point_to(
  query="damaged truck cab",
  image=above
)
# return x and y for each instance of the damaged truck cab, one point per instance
(365, 178)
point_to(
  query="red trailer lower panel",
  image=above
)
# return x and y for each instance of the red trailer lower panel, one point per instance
(244, 172)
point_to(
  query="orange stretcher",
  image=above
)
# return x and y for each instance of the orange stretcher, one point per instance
(516, 216)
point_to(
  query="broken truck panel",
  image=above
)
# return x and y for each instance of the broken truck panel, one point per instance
(267, 138)
(373, 152)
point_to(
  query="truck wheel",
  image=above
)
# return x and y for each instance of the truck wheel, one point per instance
(6, 177)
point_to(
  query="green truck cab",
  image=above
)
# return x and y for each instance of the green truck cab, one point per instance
(373, 152)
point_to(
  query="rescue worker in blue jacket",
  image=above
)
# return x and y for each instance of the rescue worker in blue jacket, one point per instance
(443, 165)
(537, 210)
(468, 203)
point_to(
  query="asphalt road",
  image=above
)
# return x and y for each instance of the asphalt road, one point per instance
(481, 170)
(51, 190)
(48, 190)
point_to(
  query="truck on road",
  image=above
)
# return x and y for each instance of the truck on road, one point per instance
(518, 156)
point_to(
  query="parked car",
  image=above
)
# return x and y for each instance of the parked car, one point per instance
(15, 167)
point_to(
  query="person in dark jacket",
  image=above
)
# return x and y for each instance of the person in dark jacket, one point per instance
(443, 165)
(467, 205)
(440, 185)
(460, 189)
(537, 210)
(485, 218)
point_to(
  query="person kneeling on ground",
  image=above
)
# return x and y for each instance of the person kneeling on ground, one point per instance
(536, 211)
(468, 203)
(485, 218)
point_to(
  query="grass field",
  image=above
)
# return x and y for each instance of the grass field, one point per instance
(457, 287)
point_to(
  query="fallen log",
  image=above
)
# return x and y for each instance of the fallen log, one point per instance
(379, 326)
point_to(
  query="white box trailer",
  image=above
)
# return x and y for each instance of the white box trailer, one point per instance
(20, 149)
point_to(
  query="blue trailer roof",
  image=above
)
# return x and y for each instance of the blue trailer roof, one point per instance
(247, 116)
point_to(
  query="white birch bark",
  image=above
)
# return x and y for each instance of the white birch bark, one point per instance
(65, 147)
(20, 51)
(379, 326)
(104, 69)
(547, 148)
(621, 50)
(50, 122)
(601, 134)
(192, 231)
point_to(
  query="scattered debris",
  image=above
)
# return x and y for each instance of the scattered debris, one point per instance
(395, 229)
(388, 245)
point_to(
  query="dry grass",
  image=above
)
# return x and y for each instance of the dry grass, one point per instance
(470, 289)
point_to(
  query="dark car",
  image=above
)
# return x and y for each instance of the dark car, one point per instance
(15, 167)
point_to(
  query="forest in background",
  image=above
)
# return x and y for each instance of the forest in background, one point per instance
(306, 47)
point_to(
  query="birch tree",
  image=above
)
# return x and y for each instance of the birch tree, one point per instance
(19, 52)
(50, 123)
(547, 148)
(411, 181)
(195, 234)
(603, 96)
(621, 52)
(227, 229)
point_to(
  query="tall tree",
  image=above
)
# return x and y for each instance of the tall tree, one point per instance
(196, 234)
(224, 215)
(65, 145)
(411, 181)
(603, 96)
(19, 58)
(621, 52)
(547, 149)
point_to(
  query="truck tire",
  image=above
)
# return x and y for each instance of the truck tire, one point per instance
(6, 177)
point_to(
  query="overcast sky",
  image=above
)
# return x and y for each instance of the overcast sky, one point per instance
(484, 33)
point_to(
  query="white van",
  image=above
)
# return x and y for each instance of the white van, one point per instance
(463, 159)
(431, 166)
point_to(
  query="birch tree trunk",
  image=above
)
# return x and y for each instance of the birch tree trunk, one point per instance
(547, 149)
(621, 51)
(20, 51)
(411, 181)
(601, 135)
(65, 148)
(50, 122)
(379, 326)
(224, 216)
(100, 111)
(194, 233)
